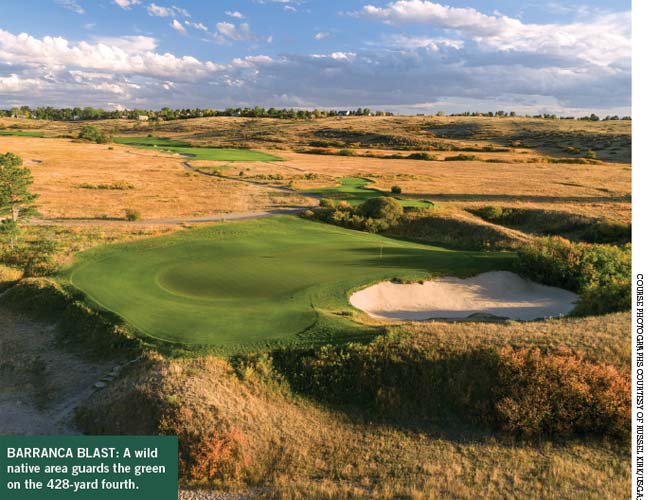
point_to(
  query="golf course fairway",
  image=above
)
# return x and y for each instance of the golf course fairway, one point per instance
(195, 153)
(251, 282)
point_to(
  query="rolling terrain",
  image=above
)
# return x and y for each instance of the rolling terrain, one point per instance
(296, 392)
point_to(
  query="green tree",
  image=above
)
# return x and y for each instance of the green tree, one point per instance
(15, 180)
(91, 133)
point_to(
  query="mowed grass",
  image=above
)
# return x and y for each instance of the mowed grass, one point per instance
(196, 153)
(245, 283)
(22, 133)
(355, 191)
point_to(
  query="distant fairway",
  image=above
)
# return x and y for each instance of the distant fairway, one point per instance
(251, 282)
(23, 133)
(355, 191)
(184, 148)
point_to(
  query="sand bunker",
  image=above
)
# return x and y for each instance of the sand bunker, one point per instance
(499, 293)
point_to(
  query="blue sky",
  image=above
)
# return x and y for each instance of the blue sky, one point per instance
(407, 56)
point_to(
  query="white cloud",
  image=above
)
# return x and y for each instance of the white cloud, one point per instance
(242, 32)
(177, 25)
(336, 56)
(159, 11)
(126, 55)
(602, 40)
(198, 26)
(417, 42)
(156, 10)
(322, 35)
(400, 72)
(126, 4)
(235, 14)
(71, 5)
(129, 44)
(14, 83)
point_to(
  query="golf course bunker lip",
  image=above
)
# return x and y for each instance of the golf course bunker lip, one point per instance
(496, 294)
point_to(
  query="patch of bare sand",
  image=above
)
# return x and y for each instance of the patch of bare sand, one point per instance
(40, 383)
(498, 293)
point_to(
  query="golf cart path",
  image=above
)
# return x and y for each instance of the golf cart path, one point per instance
(281, 189)
(218, 217)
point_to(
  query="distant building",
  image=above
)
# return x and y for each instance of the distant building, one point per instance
(344, 113)
(142, 118)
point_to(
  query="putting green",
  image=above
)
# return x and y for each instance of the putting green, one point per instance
(243, 283)
(195, 153)
(355, 190)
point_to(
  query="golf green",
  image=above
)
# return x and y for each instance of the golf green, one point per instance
(243, 283)
(355, 190)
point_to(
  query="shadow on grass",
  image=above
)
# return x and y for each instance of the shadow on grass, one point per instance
(443, 260)
(529, 198)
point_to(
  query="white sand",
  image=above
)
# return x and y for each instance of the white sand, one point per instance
(499, 293)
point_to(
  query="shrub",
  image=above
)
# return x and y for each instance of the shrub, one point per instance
(93, 134)
(559, 394)
(375, 215)
(600, 273)
(438, 228)
(33, 257)
(381, 207)
(396, 190)
(132, 214)
(490, 213)
(421, 156)
(208, 450)
(605, 231)
(8, 276)
(346, 152)
(462, 157)
(551, 222)
(522, 392)
(114, 186)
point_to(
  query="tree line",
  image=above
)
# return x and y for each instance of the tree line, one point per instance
(165, 114)
(90, 113)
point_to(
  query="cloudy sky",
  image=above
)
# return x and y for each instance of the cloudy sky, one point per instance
(409, 56)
